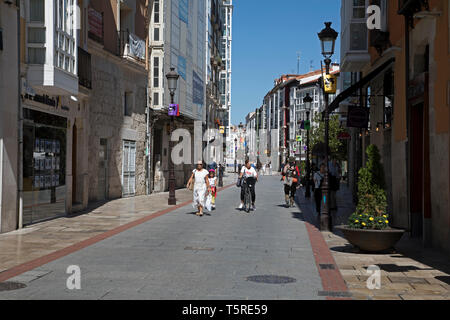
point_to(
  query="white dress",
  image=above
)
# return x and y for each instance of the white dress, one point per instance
(199, 188)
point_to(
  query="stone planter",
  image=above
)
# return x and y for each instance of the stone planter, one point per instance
(372, 240)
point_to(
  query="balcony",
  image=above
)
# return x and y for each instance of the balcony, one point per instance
(95, 22)
(84, 69)
(354, 46)
(131, 46)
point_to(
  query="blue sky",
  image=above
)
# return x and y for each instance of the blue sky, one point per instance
(267, 35)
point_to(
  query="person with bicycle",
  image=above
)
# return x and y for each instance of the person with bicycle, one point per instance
(290, 177)
(250, 176)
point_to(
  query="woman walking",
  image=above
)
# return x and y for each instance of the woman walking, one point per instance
(318, 180)
(199, 179)
(291, 175)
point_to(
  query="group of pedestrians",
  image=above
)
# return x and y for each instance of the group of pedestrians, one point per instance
(203, 183)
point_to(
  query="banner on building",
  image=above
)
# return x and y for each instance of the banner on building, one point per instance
(197, 89)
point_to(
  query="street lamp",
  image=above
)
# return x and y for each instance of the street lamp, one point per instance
(307, 100)
(327, 38)
(172, 80)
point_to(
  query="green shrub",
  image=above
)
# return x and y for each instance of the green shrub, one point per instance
(372, 204)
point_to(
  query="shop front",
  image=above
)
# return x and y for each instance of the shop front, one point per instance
(44, 166)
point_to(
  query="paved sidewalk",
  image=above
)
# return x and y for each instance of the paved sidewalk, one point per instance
(411, 272)
(47, 237)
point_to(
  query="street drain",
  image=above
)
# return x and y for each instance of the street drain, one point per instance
(271, 279)
(199, 249)
(10, 286)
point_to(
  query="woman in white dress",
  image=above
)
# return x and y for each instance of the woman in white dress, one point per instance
(202, 188)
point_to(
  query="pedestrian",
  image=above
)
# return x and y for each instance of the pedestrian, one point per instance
(334, 177)
(291, 176)
(201, 188)
(213, 184)
(318, 181)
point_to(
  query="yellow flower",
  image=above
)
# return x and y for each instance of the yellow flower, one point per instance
(387, 221)
(360, 215)
(364, 224)
(356, 221)
(371, 219)
(384, 216)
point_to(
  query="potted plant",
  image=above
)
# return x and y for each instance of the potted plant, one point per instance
(368, 227)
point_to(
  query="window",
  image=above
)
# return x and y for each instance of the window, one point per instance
(36, 55)
(64, 36)
(156, 72)
(359, 9)
(37, 11)
(156, 12)
(127, 105)
(36, 35)
(156, 99)
(156, 34)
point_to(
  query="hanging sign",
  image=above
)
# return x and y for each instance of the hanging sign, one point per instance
(221, 129)
(174, 110)
(299, 138)
(357, 117)
(307, 125)
(344, 136)
(330, 83)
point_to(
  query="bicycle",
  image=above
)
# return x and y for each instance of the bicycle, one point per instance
(247, 195)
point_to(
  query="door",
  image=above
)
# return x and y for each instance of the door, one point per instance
(129, 169)
(416, 173)
(102, 170)
(74, 165)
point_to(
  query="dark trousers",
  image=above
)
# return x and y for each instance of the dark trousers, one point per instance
(318, 199)
(290, 190)
(252, 191)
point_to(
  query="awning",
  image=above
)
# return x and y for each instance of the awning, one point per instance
(361, 83)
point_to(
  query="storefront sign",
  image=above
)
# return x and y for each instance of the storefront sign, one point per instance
(344, 136)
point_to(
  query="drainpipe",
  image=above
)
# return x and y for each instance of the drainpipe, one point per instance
(20, 129)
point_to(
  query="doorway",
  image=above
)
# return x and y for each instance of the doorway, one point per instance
(102, 170)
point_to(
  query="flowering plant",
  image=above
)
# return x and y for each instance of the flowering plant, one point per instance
(371, 209)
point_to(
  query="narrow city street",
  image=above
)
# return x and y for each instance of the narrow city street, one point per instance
(181, 256)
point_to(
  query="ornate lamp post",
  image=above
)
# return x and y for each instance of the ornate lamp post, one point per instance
(327, 38)
(172, 80)
(307, 100)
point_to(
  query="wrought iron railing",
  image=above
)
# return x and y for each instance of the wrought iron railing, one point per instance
(130, 45)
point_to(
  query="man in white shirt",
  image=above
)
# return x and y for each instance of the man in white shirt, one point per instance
(251, 176)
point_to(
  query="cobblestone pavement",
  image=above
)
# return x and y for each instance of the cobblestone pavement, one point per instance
(411, 272)
(178, 255)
